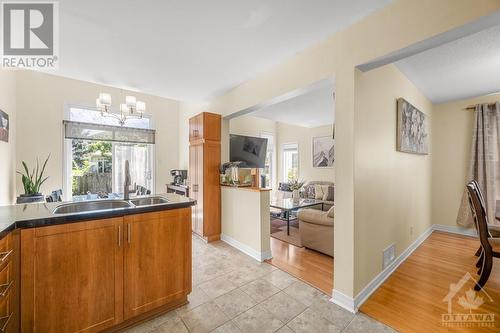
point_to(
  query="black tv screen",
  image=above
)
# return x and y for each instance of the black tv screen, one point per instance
(247, 149)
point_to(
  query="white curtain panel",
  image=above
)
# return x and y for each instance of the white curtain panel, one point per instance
(484, 163)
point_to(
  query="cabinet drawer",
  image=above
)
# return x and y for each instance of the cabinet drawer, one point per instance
(6, 314)
(6, 250)
(6, 280)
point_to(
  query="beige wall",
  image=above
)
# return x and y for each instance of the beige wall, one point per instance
(392, 189)
(451, 146)
(285, 133)
(7, 150)
(386, 31)
(186, 111)
(303, 136)
(245, 220)
(41, 103)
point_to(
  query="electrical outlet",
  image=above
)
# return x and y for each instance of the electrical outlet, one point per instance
(388, 255)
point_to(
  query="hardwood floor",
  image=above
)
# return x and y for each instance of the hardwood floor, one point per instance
(412, 299)
(310, 266)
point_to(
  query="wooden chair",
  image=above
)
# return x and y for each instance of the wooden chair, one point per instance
(487, 254)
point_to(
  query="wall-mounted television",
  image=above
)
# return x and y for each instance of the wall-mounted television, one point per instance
(247, 149)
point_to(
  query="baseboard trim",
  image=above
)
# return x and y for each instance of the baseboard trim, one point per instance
(455, 230)
(369, 289)
(343, 301)
(382, 276)
(259, 256)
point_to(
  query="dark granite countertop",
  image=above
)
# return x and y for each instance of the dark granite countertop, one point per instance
(42, 214)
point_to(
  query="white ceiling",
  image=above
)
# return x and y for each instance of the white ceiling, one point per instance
(312, 109)
(464, 68)
(192, 49)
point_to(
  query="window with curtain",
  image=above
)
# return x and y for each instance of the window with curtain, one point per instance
(269, 170)
(290, 161)
(96, 148)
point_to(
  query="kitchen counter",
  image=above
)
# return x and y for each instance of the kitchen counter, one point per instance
(42, 214)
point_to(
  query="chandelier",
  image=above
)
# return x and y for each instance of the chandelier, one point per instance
(131, 109)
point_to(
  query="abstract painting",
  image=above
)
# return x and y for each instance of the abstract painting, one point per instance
(411, 129)
(4, 126)
(322, 150)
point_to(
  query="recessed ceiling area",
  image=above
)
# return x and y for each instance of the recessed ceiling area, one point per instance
(311, 109)
(192, 50)
(464, 68)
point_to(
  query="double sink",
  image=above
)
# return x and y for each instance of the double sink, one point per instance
(100, 205)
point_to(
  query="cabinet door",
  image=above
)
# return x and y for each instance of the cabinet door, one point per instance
(200, 214)
(72, 277)
(211, 191)
(157, 265)
(196, 127)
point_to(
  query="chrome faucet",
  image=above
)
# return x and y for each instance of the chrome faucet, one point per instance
(126, 182)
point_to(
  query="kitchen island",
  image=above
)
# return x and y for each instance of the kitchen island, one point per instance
(94, 267)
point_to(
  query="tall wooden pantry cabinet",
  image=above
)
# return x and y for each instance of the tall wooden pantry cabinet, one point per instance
(203, 175)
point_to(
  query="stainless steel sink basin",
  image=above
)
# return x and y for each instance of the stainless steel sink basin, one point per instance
(149, 201)
(88, 206)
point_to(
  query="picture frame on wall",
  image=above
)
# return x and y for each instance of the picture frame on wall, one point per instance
(412, 135)
(323, 148)
(4, 126)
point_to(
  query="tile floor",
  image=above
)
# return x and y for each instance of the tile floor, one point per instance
(234, 293)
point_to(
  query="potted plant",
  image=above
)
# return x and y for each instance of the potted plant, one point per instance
(32, 183)
(295, 186)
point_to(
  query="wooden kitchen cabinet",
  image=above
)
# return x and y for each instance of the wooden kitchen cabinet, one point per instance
(205, 126)
(203, 175)
(103, 275)
(72, 277)
(157, 264)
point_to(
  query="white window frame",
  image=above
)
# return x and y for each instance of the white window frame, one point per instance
(283, 150)
(67, 187)
(268, 135)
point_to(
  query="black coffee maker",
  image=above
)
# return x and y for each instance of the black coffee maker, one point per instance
(180, 176)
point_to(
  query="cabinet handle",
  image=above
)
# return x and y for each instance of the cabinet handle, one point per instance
(6, 287)
(129, 232)
(195, 133)
(119, 236)
(5, 255)
(7, 319)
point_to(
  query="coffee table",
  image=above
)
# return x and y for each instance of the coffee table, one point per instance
(288, 205)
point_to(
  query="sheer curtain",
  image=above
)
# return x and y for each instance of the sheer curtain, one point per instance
(484, 164)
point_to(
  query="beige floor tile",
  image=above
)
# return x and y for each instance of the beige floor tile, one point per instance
(280, 279)
(217, 287)
(196, 298)
(309, 321)
(259, 290)
(174, 325)
(228, 327)
(283, 307)
(141, 328)
(303, 293)
(240, 277)
(234, 303)
(257, 319)
(362, 323)
(162, 318)
(204, 318)
(332, 312)
(285, 329)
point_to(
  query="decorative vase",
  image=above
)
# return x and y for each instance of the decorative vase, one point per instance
(295, 195)
(30, 198)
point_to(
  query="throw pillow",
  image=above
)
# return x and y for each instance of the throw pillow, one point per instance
(329, 193)
(318, 192)
(330, 212)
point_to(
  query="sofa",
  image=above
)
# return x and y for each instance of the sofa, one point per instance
(308, 191)
(316, 229)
